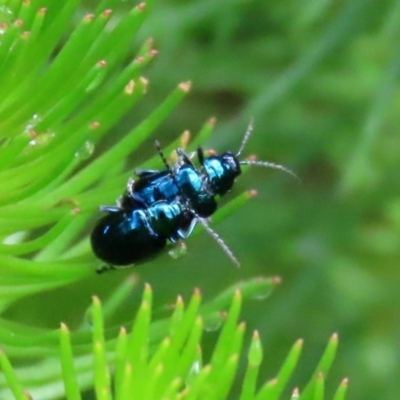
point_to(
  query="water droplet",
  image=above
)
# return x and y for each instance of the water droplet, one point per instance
(41, 140)
(179, 250)
(213, 322)
(32, 122)
(265, 287)
(196, 367)
(6, 17)
(261, 295)
(193, 372)
(85, 151)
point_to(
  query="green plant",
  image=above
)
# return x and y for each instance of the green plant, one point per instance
(60, 95)
(163, 359)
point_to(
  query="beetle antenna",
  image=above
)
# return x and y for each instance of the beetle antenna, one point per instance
(218, 239)
(269, 165)
(160, 152)
(163, 158)
(246, 137)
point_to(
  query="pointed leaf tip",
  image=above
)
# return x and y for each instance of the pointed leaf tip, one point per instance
(64, 327)
(147, 287)
(88, 17)
(129, 87)
(272, 382)
(255, 354)
(95, 125)
(299, 342)
(107, 13)
(212, 121)
(144, 82)
(295, 393)
(185, 86)
(276, 280)
(122, 331)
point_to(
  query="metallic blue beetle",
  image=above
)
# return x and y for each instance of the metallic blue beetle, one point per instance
(129, 237)
(197, 187)
(166, 204)
(183, 181)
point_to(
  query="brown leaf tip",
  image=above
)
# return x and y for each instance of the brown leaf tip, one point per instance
(185, 86)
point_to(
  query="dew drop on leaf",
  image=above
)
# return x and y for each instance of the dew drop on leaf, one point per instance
(261, 294)
(32, 122)
(179, 250)
(213, 322)
(6, 17)
(43, 139)
(193, 372)
(85, 151)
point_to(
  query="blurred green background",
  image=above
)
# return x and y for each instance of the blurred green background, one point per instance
(320, 78)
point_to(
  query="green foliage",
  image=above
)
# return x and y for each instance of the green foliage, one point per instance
(48, 136)
(172, 368)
